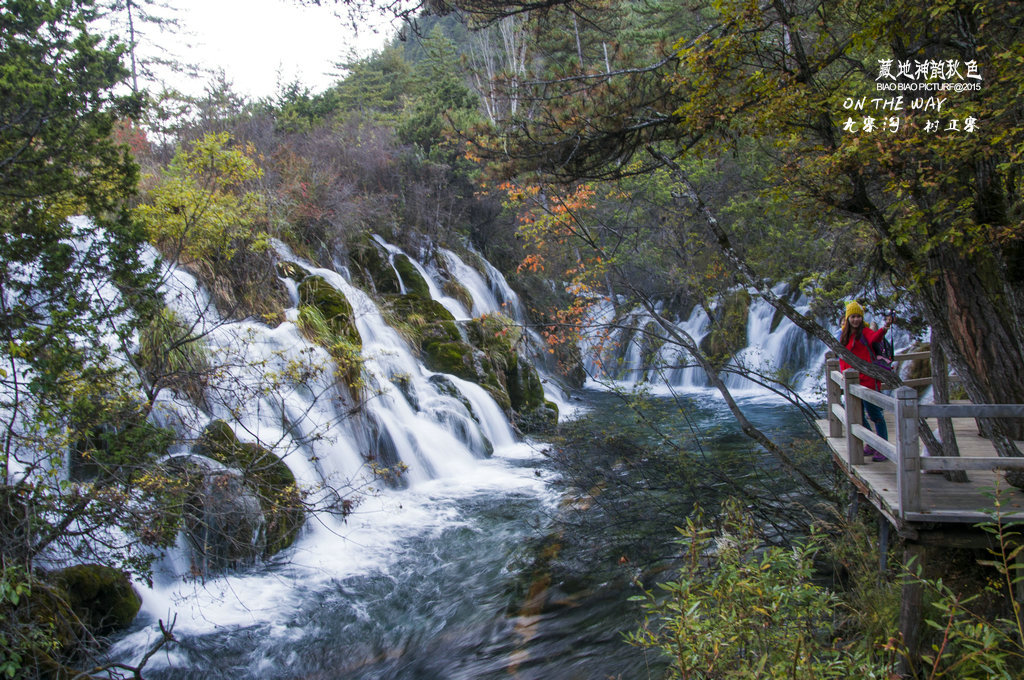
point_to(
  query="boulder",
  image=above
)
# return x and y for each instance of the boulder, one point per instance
(326, 318)
(414, 282)
(372, 267)
(101, 597)
(262, 475)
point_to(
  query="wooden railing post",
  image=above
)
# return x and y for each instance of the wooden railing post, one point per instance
(908, 450)
(834, 391)
(854, 416)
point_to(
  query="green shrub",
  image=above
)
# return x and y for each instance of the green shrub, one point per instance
(738, 610)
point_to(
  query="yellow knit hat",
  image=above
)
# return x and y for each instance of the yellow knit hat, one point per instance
(853, 309)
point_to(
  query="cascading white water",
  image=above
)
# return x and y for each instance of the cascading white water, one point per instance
(620, 348)
(437, 425)
(491, 294)
(457, 309)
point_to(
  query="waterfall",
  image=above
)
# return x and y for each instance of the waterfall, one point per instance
(490, 294)
(449, 434)
(628, 348)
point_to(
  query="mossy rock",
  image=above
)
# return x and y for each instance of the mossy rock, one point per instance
(432, 328)
(59, 633)
(332, 304)
(522, 382)
(454, 289)
(450, 285)
(417, 316)
(102, 597)
(497, 337)
(494, 333)
(333, 327)
(372, 267)
(415, 284)
(267, 475)
(499, 394)
(728, 333)
(291, 270)
(441, 354)
(542, 419)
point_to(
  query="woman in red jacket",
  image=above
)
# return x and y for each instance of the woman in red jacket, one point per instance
(859, 339)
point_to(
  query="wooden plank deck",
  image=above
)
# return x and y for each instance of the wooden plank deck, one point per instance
(942, 502)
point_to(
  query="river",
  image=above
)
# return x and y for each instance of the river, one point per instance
(521, 569)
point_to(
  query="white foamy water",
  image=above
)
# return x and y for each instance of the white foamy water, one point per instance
(626, 349)
(323, 435)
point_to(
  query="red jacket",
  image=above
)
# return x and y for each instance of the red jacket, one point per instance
(861, 347)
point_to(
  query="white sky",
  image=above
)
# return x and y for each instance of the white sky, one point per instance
(258, 42)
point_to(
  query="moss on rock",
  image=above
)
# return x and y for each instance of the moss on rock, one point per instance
(267, 475)
(102, 597)
(315, 291)
(414, 314)
(415, 284)
(541, 419)
(326, 318)
(454, 289)
(372, 268)
(450, 285)
(728, 333)
(486, 354)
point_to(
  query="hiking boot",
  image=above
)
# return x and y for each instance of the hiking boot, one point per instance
(875, 454)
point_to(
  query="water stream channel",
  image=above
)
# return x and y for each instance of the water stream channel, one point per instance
(510, 571)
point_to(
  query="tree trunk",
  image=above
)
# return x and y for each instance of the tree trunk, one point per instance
(940, 387)
(967, 303)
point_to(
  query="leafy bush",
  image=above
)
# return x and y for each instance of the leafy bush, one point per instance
(740, 611)
(200, 209)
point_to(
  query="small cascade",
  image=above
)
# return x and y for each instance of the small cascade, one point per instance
(433, 428)
(681, 370)
(776, 347)
(476, 285)
(403, 427)
(489, 293)
(450, 303)
(628, 348)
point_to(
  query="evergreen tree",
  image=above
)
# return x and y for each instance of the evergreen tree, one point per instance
(71, 288)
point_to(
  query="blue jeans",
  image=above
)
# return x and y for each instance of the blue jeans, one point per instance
(877, 417)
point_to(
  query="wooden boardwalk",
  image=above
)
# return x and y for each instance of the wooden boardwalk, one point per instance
(930, 513)
(941, 501)
(908, 488)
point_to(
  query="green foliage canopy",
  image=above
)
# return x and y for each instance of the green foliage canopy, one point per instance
(201, 209)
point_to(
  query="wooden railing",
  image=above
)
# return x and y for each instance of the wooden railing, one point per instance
(845, 418)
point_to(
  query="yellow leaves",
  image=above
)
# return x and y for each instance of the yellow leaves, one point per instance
(200, 208)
